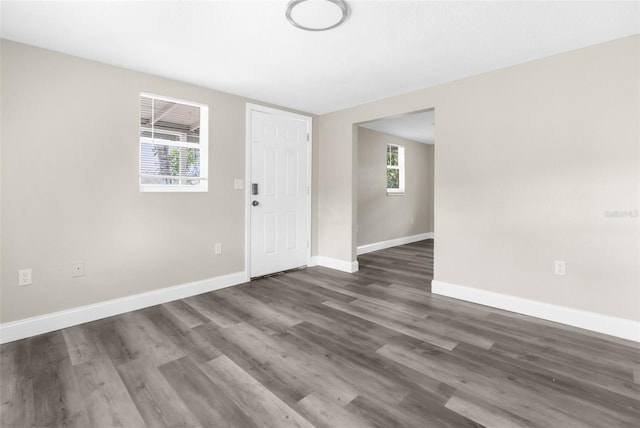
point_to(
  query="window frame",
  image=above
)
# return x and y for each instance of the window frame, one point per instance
(202, 146)
(400, 167)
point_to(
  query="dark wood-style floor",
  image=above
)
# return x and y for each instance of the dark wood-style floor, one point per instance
(322, 348)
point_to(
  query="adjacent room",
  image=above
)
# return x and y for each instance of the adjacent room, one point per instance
(319, 213)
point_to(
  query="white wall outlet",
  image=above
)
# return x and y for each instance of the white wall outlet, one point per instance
(24, 277)
(218, 248)
(238, 184)
(559, 267)
(411, 220)
(77, 269)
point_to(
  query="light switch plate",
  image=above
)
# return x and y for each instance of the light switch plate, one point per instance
(238, 184)
(24, 277)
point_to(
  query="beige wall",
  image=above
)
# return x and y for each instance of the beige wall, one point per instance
(382, 217)
(530, 159)
(70, 192)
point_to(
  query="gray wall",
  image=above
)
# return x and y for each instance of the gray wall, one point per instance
(382, 217)
(530, 159)
(70, 186)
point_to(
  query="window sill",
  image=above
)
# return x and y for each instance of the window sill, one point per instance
(395, 193)
(171, 189)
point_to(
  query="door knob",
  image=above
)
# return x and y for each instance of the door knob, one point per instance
(255, 203)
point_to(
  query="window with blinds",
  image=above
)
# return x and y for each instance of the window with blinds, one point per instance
(173, 145)
(395, 169)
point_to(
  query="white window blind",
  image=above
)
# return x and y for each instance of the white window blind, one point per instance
(173, 145)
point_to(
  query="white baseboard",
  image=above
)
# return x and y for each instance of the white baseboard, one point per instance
(54, 321)
(364, 249)
(619, 327)
(341, 265)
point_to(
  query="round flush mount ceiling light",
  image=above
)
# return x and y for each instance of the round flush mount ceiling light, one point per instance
(316, 15)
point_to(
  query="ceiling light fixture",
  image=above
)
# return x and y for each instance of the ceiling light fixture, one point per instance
(316, 15)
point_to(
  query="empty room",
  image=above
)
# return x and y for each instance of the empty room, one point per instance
(319, 213)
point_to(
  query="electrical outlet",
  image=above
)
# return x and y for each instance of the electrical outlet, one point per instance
(77, 269)
(24, 277)
(559, 267)
(218, 248)
(411, 220)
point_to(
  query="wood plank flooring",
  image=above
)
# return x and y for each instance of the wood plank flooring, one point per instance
(322, 348)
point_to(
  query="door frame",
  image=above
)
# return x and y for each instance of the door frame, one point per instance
(251, 107)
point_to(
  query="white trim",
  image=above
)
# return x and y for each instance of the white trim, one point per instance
(54, 321)
(173, 177)
(171, 143)
(247, 169)
(364, 249)
(341, 265)
(203, 146)
(619, 327)
(247, 191)
(172, 100)
(400, 167)
(150, 188)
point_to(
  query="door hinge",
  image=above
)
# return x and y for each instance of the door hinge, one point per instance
(308, 137)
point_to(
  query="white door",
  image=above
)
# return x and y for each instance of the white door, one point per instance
(279, 190)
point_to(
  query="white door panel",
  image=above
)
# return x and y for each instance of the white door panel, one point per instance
(279, 212)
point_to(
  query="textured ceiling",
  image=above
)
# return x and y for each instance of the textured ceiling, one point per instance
(383, 49)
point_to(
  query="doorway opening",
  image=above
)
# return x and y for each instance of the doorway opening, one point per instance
(395, 186)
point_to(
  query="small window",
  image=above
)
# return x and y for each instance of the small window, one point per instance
(173, 145)
(395, 169)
